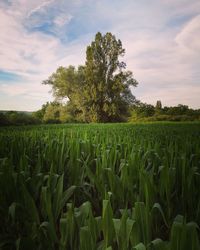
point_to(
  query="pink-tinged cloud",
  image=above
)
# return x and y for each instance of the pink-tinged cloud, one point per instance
(161, 39)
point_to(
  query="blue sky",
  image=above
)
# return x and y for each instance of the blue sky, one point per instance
(161, 38)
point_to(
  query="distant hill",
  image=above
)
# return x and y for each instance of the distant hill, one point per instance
(14, 117)
(20, 112)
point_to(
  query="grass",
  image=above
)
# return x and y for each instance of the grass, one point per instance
(100, 186)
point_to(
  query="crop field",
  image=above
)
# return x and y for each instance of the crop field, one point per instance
(105, 186)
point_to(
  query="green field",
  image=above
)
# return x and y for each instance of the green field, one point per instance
(106, 186)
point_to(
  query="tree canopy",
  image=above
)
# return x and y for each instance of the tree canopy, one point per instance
(98, 91)
(147, 112)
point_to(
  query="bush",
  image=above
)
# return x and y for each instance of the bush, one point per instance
(17, 118)
(3, 120)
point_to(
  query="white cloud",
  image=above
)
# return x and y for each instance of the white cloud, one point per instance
(162, 51)
(189, 36)
(62, 19)
(172, 96)
(40, 7)
(27, 88)
(166, 64)
(34, 56)
(24, 96)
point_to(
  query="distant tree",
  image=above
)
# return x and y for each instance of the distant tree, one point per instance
(141, 110)
(177, 110)
(18, 118)
(183, 109)
(158, 105)
(99, 91)
(145, 110)
(158, 108)
(4, 119)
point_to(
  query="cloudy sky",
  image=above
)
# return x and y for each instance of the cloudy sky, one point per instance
(161, 38)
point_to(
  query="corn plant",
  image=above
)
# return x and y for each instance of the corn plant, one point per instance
(100, 186)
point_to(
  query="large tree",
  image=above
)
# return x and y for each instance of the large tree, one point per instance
(100, 90)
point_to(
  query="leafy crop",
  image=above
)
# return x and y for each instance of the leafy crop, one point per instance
(112, 186)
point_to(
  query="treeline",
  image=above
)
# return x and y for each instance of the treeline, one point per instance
(55, 113)
(17, 118)
(147, 112)
(50, 113)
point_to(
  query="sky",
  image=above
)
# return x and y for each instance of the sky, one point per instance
(161, 39)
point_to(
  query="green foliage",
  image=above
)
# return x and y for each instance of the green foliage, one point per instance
(105, 186)
(17, 118)
(3, 119)
(146, 112)
(107, 93)
(54, 112)
(158, 105)
(99, 91)
(142, 110)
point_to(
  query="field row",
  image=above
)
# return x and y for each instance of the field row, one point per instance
(112, 186)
